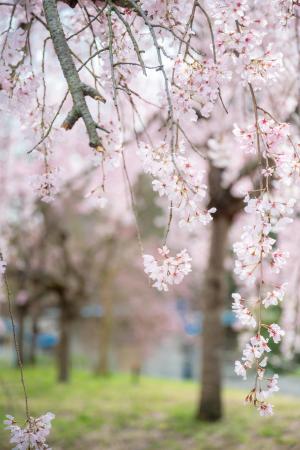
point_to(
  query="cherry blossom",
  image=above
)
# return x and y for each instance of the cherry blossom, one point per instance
(272, 298)
(265, 409)
(261, 69)
(242, 312)
(258, 345)
(170, 270)
(46, 185)
(279, 259)
(273, 383)
(178, 179)
(33, 435)
(275, 332)
(240, 370)
(197, 82)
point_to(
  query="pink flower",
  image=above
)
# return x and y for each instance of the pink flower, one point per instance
(240, 370)
(171, 270)
(279, 259)
(179, 179)
(265, 409)
(273, 383)
(34, 433)
(275, 332)
(242, 312)
(272, 298)
(261, 69)
(260, 345)
(255, 349)
(47, 185)
(246, 138)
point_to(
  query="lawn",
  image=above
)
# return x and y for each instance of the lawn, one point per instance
(114, 414)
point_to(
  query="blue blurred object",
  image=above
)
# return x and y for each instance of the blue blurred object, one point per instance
(192, 329)
(181, 305)
(91, 311)
(228, 318)
(192, 321)
(47, 341)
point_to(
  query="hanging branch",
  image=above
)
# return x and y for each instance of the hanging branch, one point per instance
(131, 35)
(16, 344)
(77, 89)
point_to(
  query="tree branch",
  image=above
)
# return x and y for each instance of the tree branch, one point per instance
(222, 198)
(121, 3)
(77, 89)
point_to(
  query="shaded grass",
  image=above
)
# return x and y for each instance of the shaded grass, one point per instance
(112, 413)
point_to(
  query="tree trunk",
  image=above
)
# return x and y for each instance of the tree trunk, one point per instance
(21, 325)
(105, 328)
(64, 360)
(33, 343)
(136, 370)
(210, 404)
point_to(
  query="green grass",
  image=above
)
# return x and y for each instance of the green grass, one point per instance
(113, 414)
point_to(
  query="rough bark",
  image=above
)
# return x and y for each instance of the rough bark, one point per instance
(77, 89)
(210, 406)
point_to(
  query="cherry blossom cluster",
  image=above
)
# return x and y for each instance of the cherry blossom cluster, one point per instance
(257, 252)
(272, 134)
(277, 147)
(261, 68)
(196, 86)
(254, 354)
(240, 37)
(242, 312)
(18, 82)
(46, 185)
(177, 178)
(169, 270)
(172, 12)
(256, 242)
(33, 435)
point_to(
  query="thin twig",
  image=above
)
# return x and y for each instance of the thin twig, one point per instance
(16, 344)
(133, 40)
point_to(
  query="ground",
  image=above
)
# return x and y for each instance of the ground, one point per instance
(115, 414)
